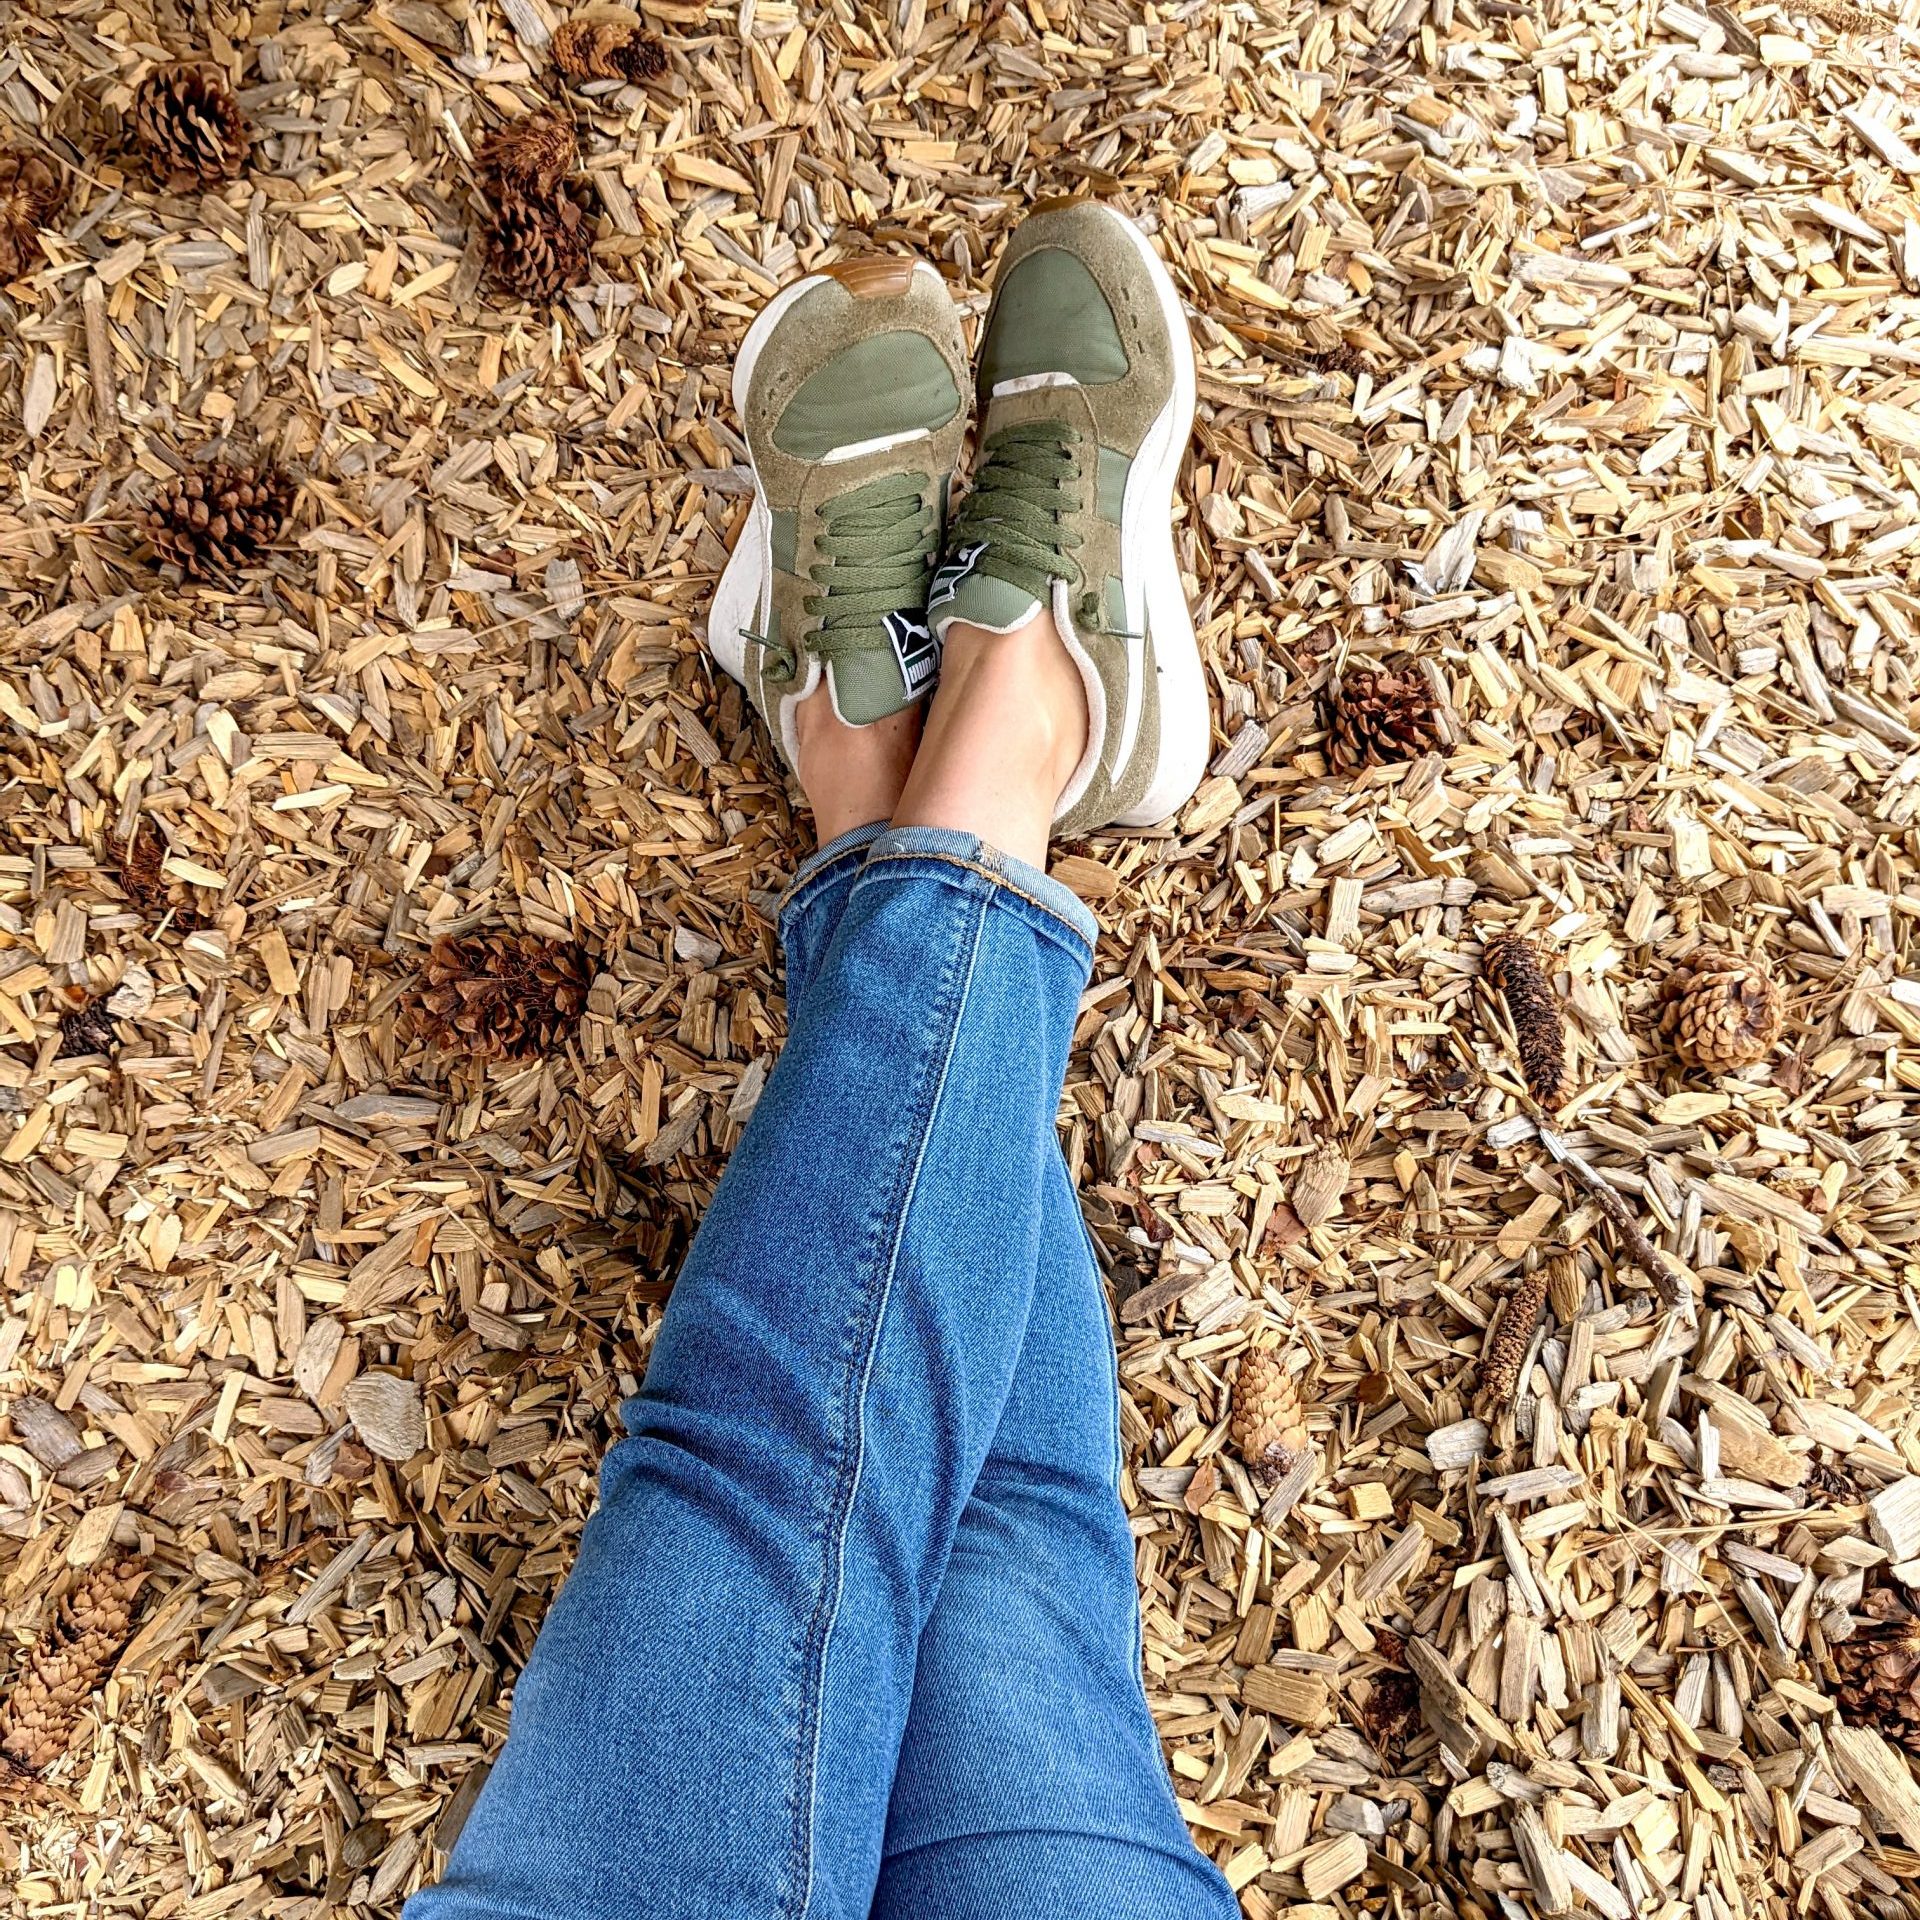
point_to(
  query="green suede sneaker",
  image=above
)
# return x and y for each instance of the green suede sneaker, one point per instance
(850, 387)
(1086, 400)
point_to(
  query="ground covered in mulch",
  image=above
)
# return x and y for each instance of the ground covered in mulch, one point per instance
(1552, 529)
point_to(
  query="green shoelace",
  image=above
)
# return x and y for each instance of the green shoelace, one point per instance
(876, 544)
(1030, 478)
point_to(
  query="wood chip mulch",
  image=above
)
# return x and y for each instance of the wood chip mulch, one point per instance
(1563, 358)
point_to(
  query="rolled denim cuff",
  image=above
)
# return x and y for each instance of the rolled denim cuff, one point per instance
(969, 851)
(849, 850)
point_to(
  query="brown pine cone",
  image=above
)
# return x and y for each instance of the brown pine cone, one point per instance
(501, 993)
(144, 880)
(191, 126)
(526, 158)
(1500, 1371)
(537, 249)
(75, 1654)
(1722, 1010)
(607, 48)
(1512, 965)
(213, 521)
(87, 1028)
(1879, 1669)
(1268, 1426)
(32, 191)
(1376, 717)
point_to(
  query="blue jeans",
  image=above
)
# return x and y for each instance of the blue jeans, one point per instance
(854, 1630)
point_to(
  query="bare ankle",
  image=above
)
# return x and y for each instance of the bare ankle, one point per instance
(1007, 731)
(1029, 684)
(852, 776)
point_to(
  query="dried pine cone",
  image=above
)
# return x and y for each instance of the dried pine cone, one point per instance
(85, 1029)
(608, 48)
(1390, 1706)
(1376, 717)
(31, 193)
(1879, 1669)
(191, 126)
(527, 158)
(537, 249)
(76, 1653)
(1511, 964)
(143, 878)
(1500, 1373)
(213, 521)
(501, 993)
(1268, 1426)
(1723, 1011)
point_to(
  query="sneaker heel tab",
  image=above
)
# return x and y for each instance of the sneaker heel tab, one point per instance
(876, 276)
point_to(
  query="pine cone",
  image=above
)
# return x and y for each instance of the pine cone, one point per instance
(191, 126)
(1268, 1426)
(526, 158)
(1723, 1011)
(1500, 1372)
(85, 1029)
(1376, 717)
(501, 993)
(31, 193)
(213, 521)
(607, 48)
(1395, 1696)
(537, 249)
(76, 1653)
(144, 881)
(1511, 964)
(1879, 1669)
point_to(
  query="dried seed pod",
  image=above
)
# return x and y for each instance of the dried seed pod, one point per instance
(213, 521)
(1540, 1039)
(1500, 1371)
(1318, 1185)
(607, 47)
(1879, 1669)
(1722, 1010)
(501, 993)
(32, 191)
(537, 249)
(1268, 1426)
(190, 126)
(1376, 717)
(387, 1414)
(77, 1652)
(527, 158)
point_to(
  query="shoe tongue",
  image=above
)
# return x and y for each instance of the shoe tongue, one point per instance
(966, 589)
(894, 671)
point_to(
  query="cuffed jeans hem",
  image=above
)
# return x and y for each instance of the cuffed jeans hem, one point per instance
(824, 867)
(1056, 910)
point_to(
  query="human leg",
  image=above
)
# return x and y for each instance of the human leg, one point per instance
(1031, 1781)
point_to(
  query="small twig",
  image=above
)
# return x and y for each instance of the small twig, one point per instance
(1670, 1279)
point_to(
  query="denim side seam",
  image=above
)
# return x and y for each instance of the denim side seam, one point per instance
(1063, 932)
(951, 1002)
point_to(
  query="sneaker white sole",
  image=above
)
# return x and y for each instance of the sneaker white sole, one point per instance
(1146, 529)
(739, 600)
